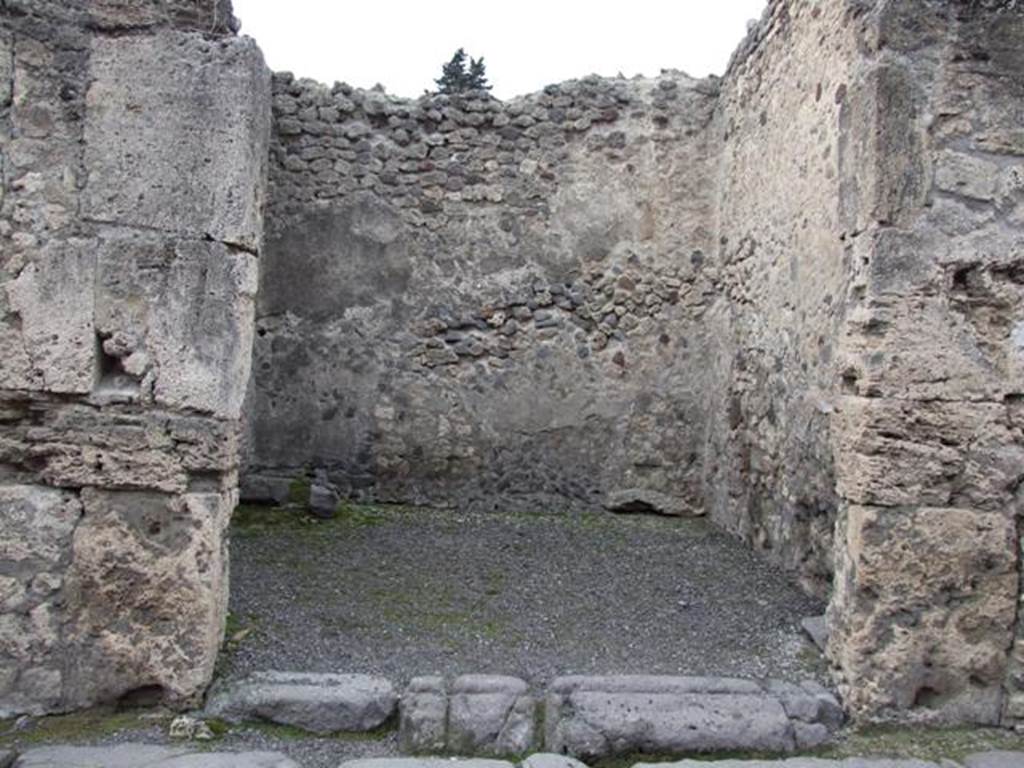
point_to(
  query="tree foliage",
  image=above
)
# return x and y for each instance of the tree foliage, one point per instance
(463, 73)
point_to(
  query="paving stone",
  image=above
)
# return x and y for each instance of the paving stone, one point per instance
(551, 760)
(425, 762)
(147, 756)
(490, 715)
(995, 760)
(600, 717)
(594, 717)
(794, 762)
(423, 719)
(320, 703)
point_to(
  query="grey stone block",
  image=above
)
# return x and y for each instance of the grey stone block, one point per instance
(425, 762)
(317, 703)
(423, 720)
(994, 760)
(794, 762)
(136, 755)
(807, 702)
(53, 347)
(816, 628)
(551, 760)
(492, 715)
(176, 135)
(178, 317)
(323, 500)
(594, 717)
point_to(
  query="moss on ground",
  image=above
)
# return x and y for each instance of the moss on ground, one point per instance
(299, 491)
(922, 743)
(292, 733)
(80, 727)
(256, 519)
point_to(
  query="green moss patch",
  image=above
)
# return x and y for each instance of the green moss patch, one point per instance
(80, 727)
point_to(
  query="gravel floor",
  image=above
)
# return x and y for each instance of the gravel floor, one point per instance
(403, 592)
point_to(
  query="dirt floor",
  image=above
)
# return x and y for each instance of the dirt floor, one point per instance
(403, 592)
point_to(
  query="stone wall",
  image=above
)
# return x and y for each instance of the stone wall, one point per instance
(870, 375)
(783, 123)
(928, 433)
(133, 143)
(482, 303)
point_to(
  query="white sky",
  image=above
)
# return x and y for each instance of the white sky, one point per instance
(526, 44)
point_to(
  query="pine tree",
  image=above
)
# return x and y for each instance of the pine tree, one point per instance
(457, 78)
(478, 75)
(453, 77)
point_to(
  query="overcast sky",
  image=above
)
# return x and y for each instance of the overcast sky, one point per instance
(526, 44)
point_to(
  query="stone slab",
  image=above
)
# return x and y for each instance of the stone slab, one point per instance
(423, 719)
(596, 717)
(666, 684)
(490, 715)
(994, 760)
(796, 762)
(320, 703)
(176, 135)
(551, 760)
(147, 756)
(425, 762)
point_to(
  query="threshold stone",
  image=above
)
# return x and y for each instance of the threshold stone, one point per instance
(800, 762)
(486, 715)
(320, 703)
(138, 755)
(598, 717)
(426, 762)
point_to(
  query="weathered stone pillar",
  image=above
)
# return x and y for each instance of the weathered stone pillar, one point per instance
(133, 142)
(929, 429)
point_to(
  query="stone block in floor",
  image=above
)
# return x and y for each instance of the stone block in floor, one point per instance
(425, 762)
(550, 760)
(320, 703)
(596, 717)
(479, 715)
(423, 722)
(800, 762)
(490, 715)
(138, 755)
(994, 760)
